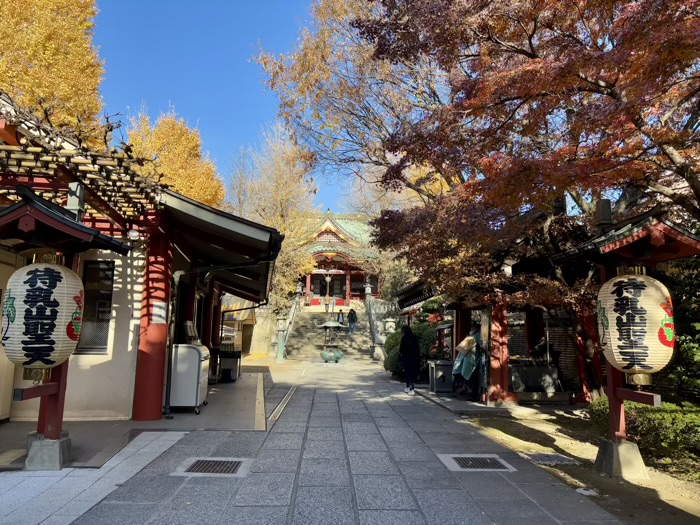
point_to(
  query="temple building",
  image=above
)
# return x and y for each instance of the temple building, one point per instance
(340, 245)
(145, 254)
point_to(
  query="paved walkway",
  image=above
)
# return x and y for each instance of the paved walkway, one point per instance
(349, 448)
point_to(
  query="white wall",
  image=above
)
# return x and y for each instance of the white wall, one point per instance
(8, 264)
(102, 386)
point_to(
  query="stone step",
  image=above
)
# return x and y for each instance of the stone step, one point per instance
(306, 341)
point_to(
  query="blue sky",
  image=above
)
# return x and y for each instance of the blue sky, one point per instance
(197, 57)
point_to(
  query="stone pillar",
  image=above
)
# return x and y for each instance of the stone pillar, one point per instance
(216, 329)
(150, 362)
(498, 390)
(190, 302)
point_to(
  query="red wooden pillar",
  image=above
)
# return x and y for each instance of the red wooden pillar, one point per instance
(347, 287)
(51, 407)
(498, 390)
(308, 285)
(618, 424)
(150, 363)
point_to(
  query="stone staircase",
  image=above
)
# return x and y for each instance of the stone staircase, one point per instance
(306, 340)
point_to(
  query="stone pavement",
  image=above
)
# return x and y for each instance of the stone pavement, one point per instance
(349, 448)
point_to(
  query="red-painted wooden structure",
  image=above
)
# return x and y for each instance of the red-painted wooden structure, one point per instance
(38, 170)
(644, 240)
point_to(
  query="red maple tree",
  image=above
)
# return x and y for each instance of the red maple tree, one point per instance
(550, 96)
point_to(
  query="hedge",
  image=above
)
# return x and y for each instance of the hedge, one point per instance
(669, 431)
(426, 342)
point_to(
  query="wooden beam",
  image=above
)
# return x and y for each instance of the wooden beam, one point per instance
(32, 392)
(645, 398)
(8, 133)
(35, 183)
(93, 199)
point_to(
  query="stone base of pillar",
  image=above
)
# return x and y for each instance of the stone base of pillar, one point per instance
(621, 459)
(48, 454)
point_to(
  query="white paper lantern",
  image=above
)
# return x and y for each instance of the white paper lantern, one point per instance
(42, 312)
(635, 324)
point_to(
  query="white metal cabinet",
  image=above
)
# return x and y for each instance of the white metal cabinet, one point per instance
(190, 376)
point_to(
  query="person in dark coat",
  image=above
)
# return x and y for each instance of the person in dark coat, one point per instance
(352, 320)
(409, 355)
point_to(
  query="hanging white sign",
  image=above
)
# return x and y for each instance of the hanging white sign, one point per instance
(635, 324)
(42, 314)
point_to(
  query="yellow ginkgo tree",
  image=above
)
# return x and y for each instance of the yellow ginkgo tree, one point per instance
(48, 63)
(172, 152)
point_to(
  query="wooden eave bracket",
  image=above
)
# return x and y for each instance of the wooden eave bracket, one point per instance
(93, 199)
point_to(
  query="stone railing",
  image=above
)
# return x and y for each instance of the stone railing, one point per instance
(291, 317)
(381, 322)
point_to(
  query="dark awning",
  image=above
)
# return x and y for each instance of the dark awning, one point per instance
(34, 223)
(414, 293)
(214, 240)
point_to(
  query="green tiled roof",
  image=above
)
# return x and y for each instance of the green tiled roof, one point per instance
(354, 252)
(357, 230)
(353, 226)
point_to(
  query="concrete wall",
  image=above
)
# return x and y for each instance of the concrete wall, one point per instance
(8, 264)
(102, 386)
(261, 341)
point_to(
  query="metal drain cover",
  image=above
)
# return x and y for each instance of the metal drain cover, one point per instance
(475, 463)
(219, 467)
(208, 466)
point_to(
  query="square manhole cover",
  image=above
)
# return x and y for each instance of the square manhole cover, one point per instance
(475, 463)
(219, 467)
(214, 466)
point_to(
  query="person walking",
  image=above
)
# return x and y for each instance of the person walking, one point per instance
(340, 317)
(409, 355)
(352, 320)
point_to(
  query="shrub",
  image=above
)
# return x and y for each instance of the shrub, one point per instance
(669, 431)
(432, 306)
(391, 361)
(685, 368)
(426, 342)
